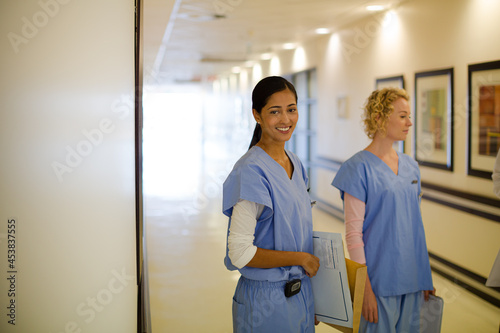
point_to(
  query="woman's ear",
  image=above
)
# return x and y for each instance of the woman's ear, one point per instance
(256, 116)
(378, 120)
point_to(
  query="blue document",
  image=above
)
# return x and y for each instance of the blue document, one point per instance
(332, 299)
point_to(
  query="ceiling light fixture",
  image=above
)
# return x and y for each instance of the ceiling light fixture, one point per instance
(289, 46)
(375, 8)
(266, 56)
(322, 31)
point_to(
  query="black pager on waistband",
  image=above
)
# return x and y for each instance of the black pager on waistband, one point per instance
(292, 287)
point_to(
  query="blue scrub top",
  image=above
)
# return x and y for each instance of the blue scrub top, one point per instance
(286, 221)
(393, 232)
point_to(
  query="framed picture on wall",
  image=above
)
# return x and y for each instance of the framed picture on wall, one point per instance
(484, 118)
(434, 118)
(392, 82)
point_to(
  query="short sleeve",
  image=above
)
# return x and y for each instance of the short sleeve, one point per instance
(351, 178)
(246, 182)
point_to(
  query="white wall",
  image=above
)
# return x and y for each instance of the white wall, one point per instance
(418, 36)
(67, 173)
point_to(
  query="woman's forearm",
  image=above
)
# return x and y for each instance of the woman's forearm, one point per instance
(265, 258)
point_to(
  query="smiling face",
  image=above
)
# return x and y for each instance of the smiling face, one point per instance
(398, 124)
(278, 117)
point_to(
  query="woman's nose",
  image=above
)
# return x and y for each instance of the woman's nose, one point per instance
(285, 117)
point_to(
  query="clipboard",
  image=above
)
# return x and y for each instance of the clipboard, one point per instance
(332, 299)
(350, 287)
(431, 315)
(356, 274)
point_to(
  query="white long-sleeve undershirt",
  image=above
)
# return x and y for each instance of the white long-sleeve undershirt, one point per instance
(354, 215)
(242, 232)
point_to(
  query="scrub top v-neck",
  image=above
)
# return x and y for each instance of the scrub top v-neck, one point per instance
(388, 166)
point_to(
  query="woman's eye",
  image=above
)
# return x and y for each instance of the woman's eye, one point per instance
(292, 110)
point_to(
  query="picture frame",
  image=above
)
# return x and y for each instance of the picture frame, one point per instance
(392, 82)
(483, 117)
(433, 123)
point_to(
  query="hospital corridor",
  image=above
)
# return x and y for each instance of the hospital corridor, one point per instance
(188, 151)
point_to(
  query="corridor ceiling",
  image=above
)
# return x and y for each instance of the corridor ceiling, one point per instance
(193, 40)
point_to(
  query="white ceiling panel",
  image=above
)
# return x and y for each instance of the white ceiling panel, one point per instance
(195, 39)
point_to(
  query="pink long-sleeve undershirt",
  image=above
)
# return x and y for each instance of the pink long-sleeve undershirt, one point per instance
(354, 215)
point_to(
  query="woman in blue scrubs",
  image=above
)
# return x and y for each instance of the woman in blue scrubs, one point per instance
(381, 192)
(270, 221)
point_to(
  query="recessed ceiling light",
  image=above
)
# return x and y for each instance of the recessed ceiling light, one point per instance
(289, 46)
(265, 56)
(375, 8)
(322, 31)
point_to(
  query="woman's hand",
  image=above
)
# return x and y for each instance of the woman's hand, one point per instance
(429, 292)
(310, 263)
(370, 310)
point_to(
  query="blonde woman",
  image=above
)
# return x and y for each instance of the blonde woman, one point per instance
(381, 192)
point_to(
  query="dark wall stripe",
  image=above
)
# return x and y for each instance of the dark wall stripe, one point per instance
(476, 277)
(472, 197)
(330, 206)
(469, 210)
(488, 298)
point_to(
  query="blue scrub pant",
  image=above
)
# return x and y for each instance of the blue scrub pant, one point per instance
(396, 314)
(261, 306)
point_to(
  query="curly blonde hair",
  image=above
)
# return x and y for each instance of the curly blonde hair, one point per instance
(378, 108)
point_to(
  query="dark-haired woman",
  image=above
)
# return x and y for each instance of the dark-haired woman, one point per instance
(381, 192)
(270, 222)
